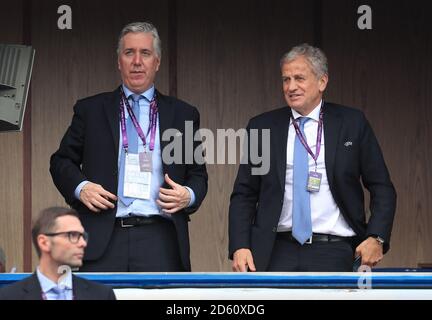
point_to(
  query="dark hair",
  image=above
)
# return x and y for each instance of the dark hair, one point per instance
(46, 221)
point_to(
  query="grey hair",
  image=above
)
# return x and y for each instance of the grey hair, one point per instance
(146, 27)
(315, 56)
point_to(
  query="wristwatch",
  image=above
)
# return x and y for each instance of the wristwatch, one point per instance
(379, 239)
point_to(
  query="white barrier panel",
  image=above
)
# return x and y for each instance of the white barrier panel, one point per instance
(272, 294)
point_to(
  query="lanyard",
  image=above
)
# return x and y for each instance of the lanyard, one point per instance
(152, 122)
(318, 141)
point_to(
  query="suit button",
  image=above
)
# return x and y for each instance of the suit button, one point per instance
(274, 229)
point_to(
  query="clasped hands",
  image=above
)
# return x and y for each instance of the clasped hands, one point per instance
(171, 200)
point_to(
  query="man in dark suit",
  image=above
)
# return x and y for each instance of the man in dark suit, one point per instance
(307, 212)
(60, 240)
(111, 166)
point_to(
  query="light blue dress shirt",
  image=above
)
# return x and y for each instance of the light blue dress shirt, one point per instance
(141, 207)
(47, 286)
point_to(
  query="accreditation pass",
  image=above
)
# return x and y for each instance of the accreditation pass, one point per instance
(136, 182)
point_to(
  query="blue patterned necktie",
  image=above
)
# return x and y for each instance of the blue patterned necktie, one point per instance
(301, 219)
(60, 293)
(132, 136)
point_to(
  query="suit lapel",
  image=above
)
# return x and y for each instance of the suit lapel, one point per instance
(32, 288)
(279, 146)
(166, 118)
(80, 289)
(332, 126)
(111, 108)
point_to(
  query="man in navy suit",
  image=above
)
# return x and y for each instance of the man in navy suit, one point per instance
(307, 213)
(60, 240)
(132, 199)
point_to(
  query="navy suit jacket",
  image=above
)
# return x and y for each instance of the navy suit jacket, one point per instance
(30, 289)
(89, 151)
(256, 201)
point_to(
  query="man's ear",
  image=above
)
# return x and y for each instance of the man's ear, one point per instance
(158, 64)
(322, 83)
(44, 243)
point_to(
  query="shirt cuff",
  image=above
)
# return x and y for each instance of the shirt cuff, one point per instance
(79, 188)
(192, 199)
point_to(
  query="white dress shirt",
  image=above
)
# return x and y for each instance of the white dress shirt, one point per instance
(47, 286)
(325, 214)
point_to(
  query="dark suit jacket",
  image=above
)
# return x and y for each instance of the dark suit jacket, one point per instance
(256, 201)
(89, 151)
(30, 289)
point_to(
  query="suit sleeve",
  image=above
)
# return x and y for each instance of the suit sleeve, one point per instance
(65, 163)
(243, 202)
(111, 295)
(3, 295)
(196, 174)
(376, 179)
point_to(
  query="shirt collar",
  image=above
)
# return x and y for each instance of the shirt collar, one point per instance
(148, 94)
(47, 284)
(313, 115)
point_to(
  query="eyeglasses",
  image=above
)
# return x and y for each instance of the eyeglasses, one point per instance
(74, 236)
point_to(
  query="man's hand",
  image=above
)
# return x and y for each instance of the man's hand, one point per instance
(371, 252)
(243, 261)
(175, 199)
(96, 198)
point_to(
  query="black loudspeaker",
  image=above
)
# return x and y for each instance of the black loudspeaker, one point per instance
(16, 63)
